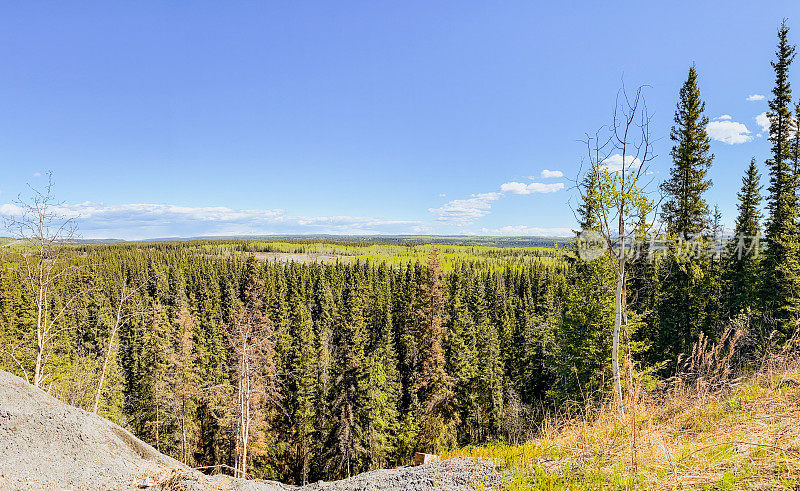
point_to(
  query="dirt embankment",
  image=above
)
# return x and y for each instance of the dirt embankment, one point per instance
(46, 444)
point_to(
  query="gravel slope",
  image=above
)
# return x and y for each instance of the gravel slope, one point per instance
(46, 444)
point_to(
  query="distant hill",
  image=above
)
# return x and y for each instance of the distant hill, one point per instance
(467, 240)
(474, 240)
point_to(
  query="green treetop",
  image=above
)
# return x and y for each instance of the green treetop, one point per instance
(685, 211)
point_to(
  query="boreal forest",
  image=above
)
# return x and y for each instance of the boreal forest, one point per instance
(306, 359)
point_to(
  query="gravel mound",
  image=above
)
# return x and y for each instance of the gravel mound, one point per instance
(46, 444)
(452, 474)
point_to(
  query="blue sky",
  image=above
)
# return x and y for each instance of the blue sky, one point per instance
(181, 119)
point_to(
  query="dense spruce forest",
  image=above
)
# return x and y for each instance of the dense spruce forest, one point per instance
(366, 363)
(303, 360)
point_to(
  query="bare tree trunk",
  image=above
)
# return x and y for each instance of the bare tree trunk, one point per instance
(240, 429)
(243, 433)
(40, 335)
(108, 351)
(158, 423)
(618, 306)
(183, 430)
(305, 464)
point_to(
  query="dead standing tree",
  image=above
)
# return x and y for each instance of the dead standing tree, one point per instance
(44, 232)
(125, 311)
(254, 372)
(617, 198)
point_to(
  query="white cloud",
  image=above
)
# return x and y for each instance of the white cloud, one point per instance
(725, 117)
(614, 163)
(526, 230)
(727, 131)
(137, 221)
(37, 174)
(514, 188)
(755, 97)
(531, 188)
(464, 211)
(549, 174)
(442, 195)
(762, 120)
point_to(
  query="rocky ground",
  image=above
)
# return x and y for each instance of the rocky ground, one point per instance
(451, 474)
(46, 444)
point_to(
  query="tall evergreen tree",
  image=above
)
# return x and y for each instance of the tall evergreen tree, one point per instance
(383, 392)
(347, 449)
(461, 355)
(682, 310)
(304, 385)
(434, 388)
(685, 212)
(780, 265)
(741, 279)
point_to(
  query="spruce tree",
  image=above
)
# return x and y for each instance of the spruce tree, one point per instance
(584, 353)
(685, 212)
(304, 385)
(781, 271)
(682, 306)
(346, 443)
(741, 278)
(182, 378)
(588, 212)
(461, 355)
(383, 392)
(434, 387)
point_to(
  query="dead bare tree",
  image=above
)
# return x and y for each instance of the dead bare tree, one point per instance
(125, 312)
(252, 342)
(617, 198)
(44, 233)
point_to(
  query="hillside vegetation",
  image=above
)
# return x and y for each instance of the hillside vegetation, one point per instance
(704, 433)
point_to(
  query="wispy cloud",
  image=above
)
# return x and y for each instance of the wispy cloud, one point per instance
(550, 174)
(762, 120)
(531, 188)
(137, 221)
(465, 211)
(37, 174)
(755, 97)
(731, 132)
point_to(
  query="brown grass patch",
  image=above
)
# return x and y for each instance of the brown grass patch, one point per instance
(704, 430)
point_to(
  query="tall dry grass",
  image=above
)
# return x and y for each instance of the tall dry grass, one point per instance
(709, 427)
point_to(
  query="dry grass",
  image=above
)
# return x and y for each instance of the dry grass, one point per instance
(703, 430)
(159, 475)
